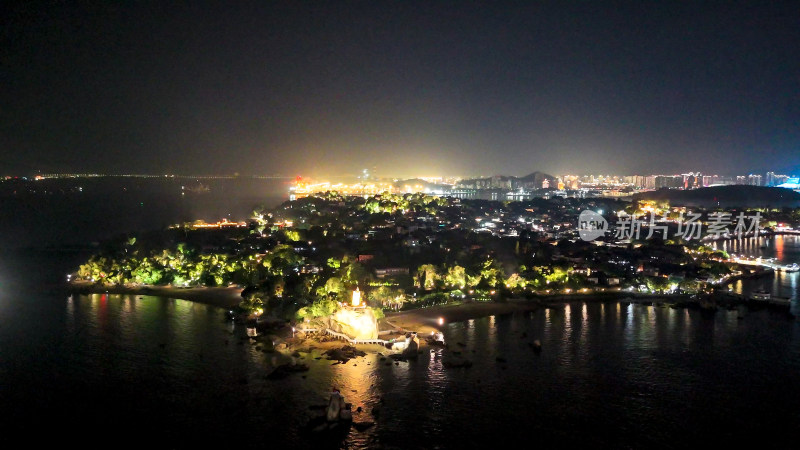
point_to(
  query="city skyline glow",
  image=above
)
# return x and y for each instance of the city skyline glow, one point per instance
(323, 89)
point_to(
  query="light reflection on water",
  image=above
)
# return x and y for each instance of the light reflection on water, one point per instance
(599, 359)
(786, 248)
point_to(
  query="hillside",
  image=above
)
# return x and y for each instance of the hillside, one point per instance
(726, 196)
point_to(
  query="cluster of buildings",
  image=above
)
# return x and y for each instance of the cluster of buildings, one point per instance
(541, 185)
(691, 180)
(203, 225)
(393, 245)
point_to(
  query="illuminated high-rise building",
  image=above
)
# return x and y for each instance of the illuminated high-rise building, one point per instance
(754, 180)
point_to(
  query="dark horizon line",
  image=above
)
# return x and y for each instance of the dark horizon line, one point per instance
(233, 175)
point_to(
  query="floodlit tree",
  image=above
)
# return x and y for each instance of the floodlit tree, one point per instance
(386, 296)
(491, 275)
(334, 287)
(427, 277)
(473, 280)
(354, 273)
(291, 235)
(456, 277)
(557, 275)
(515, 281)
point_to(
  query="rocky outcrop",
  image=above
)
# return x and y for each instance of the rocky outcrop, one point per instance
(343, 354)
(455, 362)
(285, 370)
(358, 323)
(412, 348)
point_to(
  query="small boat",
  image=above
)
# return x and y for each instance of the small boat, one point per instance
(760, 295)
(792, 268)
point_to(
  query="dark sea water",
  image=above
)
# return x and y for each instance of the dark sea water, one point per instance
(80, 211)
(171, 374)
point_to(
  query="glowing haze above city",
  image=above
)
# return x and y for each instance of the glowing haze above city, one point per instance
(413, 88)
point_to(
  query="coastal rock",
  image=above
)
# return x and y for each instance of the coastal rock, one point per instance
(452, 362)
(285, 370)
(338, 411)
(332, 413)
(343, 354)
(346, 414)
(361, 426)
(358, 323)
(399, 346)
(434, 343)
(412, 347)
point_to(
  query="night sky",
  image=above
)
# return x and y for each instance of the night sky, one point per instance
(412, 88)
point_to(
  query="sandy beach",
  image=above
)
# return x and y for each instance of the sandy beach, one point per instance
(425, 320)
(223, 297)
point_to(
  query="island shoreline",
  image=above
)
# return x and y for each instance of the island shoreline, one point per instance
(222, 297)
(421, 320)
(426, 320)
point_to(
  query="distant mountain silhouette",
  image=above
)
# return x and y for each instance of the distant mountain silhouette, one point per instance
(533, 176)
(533, 180)
(537, 178)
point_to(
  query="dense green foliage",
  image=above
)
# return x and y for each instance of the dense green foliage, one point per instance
(304, 258)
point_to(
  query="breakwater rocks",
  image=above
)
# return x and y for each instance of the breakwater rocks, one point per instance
(343, 354)
(285, 370)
